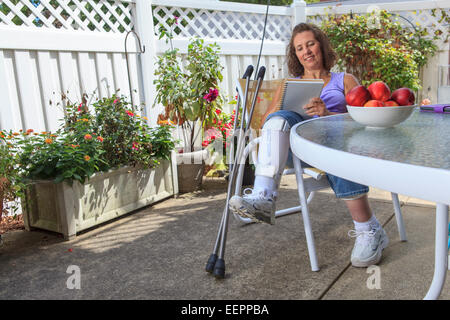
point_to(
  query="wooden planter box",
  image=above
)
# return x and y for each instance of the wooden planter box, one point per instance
(69, 209)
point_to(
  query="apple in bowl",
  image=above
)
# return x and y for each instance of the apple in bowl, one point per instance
(403, 96)
(379, 91)
(380, 108)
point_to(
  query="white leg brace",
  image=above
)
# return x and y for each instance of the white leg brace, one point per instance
(272, 155)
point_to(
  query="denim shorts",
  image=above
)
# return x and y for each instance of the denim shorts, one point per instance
(342, 188)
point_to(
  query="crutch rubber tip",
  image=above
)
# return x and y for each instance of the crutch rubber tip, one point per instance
(219, 269)
(211, 263)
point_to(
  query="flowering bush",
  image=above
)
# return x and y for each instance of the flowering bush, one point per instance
(374, 46)
(189, 94)
(112, 135)
(10, 183)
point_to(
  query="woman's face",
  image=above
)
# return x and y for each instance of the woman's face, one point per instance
(307, 50)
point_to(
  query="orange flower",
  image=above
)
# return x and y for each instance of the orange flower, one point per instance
(30, 130)
(74, 145)
(48, 141)
(100, 138)
(15, 134)
(87, 158)
(145, 118)
(87, 137)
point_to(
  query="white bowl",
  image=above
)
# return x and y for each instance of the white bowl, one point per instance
(380, 117)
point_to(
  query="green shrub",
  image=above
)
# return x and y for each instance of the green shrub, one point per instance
(375, 46)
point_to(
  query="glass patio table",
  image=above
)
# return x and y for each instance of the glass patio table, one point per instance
(412, 158)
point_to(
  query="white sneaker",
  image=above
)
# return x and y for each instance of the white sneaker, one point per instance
(259, 207)
(368, 246)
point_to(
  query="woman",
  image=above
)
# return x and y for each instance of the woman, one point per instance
(310, 56)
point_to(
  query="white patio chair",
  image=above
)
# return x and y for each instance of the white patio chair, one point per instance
(309, 179)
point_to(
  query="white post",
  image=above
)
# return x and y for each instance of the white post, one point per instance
(298, 12)
(145, 30)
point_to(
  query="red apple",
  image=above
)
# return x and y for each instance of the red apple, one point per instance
(357, 96)
(404, 96)
(391, 103)
(374, 103)
(379, 91)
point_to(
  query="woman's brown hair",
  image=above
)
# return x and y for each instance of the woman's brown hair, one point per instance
(329, 56)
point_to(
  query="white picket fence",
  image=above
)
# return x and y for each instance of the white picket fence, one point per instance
(73, 47)
(80, 49)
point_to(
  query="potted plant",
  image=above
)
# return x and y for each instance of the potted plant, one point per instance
(103, 162)
(190, 96)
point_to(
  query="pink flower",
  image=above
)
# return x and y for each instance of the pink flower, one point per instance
(115, 101)
(205, 143)
(135, 146)
(211, 95)
(129, 113)
(176, 19)
(79, 107)
(218, 111)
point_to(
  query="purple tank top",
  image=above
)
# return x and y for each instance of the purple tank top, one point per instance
(333, 94)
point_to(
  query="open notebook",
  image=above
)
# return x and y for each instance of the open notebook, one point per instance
(280, 94)
(298, 92)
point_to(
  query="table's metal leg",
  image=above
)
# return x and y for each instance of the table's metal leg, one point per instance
(441, 252)
(399, 217)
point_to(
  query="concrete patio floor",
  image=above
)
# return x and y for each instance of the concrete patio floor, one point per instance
(160, 253)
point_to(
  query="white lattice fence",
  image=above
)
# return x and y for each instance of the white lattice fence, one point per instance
(223, 24)
(84, 15)
(51, 48)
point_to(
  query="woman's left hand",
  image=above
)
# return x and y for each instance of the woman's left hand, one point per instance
(316, 107)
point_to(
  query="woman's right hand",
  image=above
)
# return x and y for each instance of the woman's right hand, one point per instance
(316, 107)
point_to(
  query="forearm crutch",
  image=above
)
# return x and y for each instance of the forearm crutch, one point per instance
(216, 262)
(213, 257)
